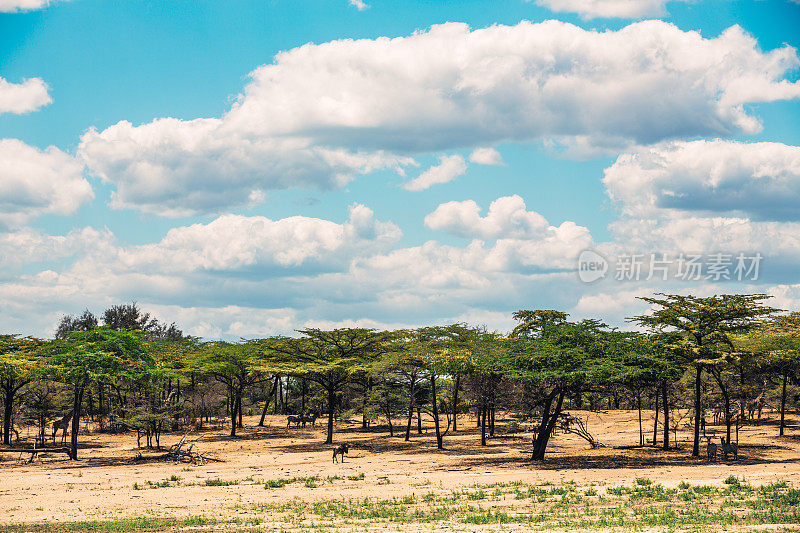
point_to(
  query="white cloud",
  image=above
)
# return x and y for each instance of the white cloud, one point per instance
(448, 169)
(23, 97)
(28, 245)
(34, 182)
(233, 243)
(449, 87)
(15, 6)
(321, 114)
(359, 4)
(507, 217)
(758, 180)
(176, 168)
(707, 235)
(589, 9)
(486, 156)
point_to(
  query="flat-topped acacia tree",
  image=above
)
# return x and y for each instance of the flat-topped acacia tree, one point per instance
(18, 364)
(327, 357)
(702, 329)
(777, 344)
(101, 354)
(572, 357)
(236, 365)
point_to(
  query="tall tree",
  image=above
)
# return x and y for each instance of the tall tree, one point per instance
(537, 323)
(573, 357)
(702, 328)
(101, 354)
(778, 343)
(18, 366)
(87, 321)
(236, 365)
(327, 357)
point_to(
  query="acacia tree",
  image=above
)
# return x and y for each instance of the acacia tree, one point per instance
(101, 354)
(537, 323)
(328, 358)
(236, 365)
(446, 351)
(701, 329)
(647, 363)
(573, 357)
(778, 343)
(18, 365)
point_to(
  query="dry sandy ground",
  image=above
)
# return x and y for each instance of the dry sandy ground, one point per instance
(100, 486)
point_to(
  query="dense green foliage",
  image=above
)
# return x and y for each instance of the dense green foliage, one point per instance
(133, 373)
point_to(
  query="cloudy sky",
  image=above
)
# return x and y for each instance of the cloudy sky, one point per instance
(250, 167)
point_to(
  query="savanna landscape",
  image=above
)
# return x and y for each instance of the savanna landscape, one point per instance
(317, 266)
(557, 425)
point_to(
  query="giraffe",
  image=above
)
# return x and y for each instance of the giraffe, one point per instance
(62, 424)
(757, 404)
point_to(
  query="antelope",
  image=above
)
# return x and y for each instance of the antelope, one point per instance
(291, 419)
(310, 418)
(63, 425)
(340, 449)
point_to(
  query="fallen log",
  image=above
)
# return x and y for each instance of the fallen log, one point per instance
(36, 451)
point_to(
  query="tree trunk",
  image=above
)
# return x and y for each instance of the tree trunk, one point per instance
(491, 418)
(234, 401)
(455, 401)
(435, 409)
(484, 410)
(239, 408)
(698, 382)
(389, 419)
(666, 414)
(303, 391)
(655, 421)
(8, 409)
(419, 420)
(364, 421)
(331, 407)
(100, 408)
(410, 412)
(639, 407)
(726, 397)
(266, 403)
(77, 400)
(282, 397)
(783, 403)
(546, 427)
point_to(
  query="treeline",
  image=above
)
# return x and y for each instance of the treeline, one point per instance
(719, 356)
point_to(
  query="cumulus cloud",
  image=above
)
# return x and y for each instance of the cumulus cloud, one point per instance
(486, 156)
(238, 243)
(28, 245)
(15, 6)
(708, 235)
(449, 86)
(34, 182)
(448, 169)
(589, 9)
(756, 180)
(321, 114)
(23, 97)
(507, 217)
(177, 168)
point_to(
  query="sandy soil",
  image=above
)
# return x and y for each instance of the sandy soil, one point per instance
(100, 486)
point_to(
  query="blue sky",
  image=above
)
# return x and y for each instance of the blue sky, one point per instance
(206, 161)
